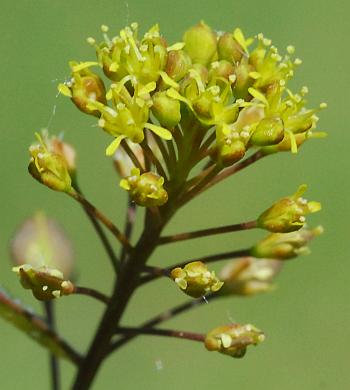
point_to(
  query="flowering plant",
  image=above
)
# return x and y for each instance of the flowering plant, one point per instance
(181, 118)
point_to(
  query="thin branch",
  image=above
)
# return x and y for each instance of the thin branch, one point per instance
(194, 191)
(92, 293)
(207, 232)
(158, 272)
(101, 234)
(236, 168)
(129, 224)
(54, 363)
(162, 317)
(161, 332)
(102, 218)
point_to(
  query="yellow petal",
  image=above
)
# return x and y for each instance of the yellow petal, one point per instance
(258, 95)
(113, 146)
(160, 131)
(176, 46)
(239, 37)
(64, 90)
(83, 65)
(168, 80)
(124, 184)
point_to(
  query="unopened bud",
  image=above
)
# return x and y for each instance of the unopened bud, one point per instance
(195, 279)
(146, 189)
(270, 131)
(200, 43)
(288, 214)
(178, 64)
(229, 49)
(166, 110)
(46, 283)
(234, 339)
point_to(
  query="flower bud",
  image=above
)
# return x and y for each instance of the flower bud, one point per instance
(249, 276)
(288, 214)
(221, 69)
(46, 283)
(195, 279)
(200, 43)
(234, 339)
(270, 131)
(49, 168)
(84, 87)
(166, 110)
(243, 80)
(56, 145)
(229, 49)
(284, 246)
(146, 189)
(41, 242)
(178, 64)
(230, 147)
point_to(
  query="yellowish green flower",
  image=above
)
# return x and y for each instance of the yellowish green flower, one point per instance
(195, 279)
(233, 339)
(130, 113)
(46, 283)
(84, 86)
(145, 189)
(285, 246)
(288, 214)
(126, 54)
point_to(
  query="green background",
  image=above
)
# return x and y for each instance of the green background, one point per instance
(306, 320)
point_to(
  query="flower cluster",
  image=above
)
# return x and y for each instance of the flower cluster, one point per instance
(181, 117)
(235, 84)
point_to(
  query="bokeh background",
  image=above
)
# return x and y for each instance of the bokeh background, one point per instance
(307, 319)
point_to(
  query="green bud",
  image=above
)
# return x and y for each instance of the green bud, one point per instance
(270, 131)
(49, 168)
(243, 80)
(83, 87)
(288, 214)
(221, 69)
(46, 283)
(230, 147)
(41, 242)
(146, 189)
(195, 279)
(166, 110)
(249, 276)
(229, 49)
(178, 64)
(200, 43)
(285, 246)
(233, 339)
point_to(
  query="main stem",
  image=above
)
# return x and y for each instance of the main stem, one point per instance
(124, 288)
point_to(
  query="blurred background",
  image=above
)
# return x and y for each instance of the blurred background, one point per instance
(306, 320)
